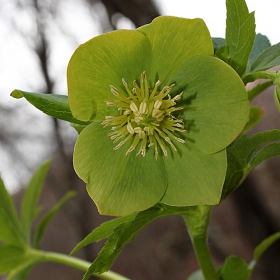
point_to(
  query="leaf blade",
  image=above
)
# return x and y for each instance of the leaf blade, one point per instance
(54, 105)
(240, 34)
(29, 208)
(48, 217)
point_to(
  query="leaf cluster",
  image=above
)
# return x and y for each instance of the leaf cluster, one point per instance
(18, 247)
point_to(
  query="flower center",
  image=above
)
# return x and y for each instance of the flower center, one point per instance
(144, 115)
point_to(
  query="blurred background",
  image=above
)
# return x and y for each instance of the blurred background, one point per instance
(37, 39)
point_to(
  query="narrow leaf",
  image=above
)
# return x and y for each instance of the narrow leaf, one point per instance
(267, 59)
(243, 156)
(10, 230)
(254, 92)
(103, 231)
(54, 105)
(29, 208)
(260, 45)
(277, 96)
(48, 217)
(126, 232)
(240, 34)
(261, 248)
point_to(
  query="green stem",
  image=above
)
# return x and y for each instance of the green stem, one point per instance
(197, 221)
(204, 258)
(74, 262)
(271, 75)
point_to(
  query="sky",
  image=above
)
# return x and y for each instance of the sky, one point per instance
(214, 15)
(19, 67)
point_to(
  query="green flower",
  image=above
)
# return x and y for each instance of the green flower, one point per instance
(162, 112)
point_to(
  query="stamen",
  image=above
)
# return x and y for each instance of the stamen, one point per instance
(144, 115)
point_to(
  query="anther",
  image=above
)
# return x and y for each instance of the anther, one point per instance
(114, 90)
(133, 107)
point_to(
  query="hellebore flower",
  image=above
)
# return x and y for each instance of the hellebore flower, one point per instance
(162, 112)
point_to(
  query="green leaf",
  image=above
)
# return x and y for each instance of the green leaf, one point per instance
(240, 34)
(10, 257)
(235, 268)
(11, 232)
(245, 154)
(102, 232)
(277, 96)
(261, 44)
(218, 43)
(125, 233)
(261, 248)
(48, 218)
(29, 209)
(22, 270)
(53, 105)
(256, 114)
(254, 92)
(267, 59)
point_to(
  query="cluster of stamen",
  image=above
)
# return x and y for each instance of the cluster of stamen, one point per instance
(144, 116)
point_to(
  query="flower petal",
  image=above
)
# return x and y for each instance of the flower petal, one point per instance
(195, 178)
(174, 40)
(117, 183)
(101, 62)
(215, 101)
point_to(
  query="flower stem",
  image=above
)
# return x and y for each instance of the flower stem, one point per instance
(197, 221)
(75, 263)
(204, 258)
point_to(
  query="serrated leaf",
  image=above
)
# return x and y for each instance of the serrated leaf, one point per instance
(102, 232)
(235, 268)
(10, 230)
(126, 232)
(267, 59)
(122, 235)
(240, 34)
(29, 209)
(245, 154)
(256, 114)
(261, 43)
(262, 247)
(254, 92)
(54, 105)
(48, 218)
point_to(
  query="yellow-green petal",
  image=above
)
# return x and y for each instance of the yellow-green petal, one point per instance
(174, 40)
(215, 102)
(101, 62)
(194, 178)
(118, 184)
